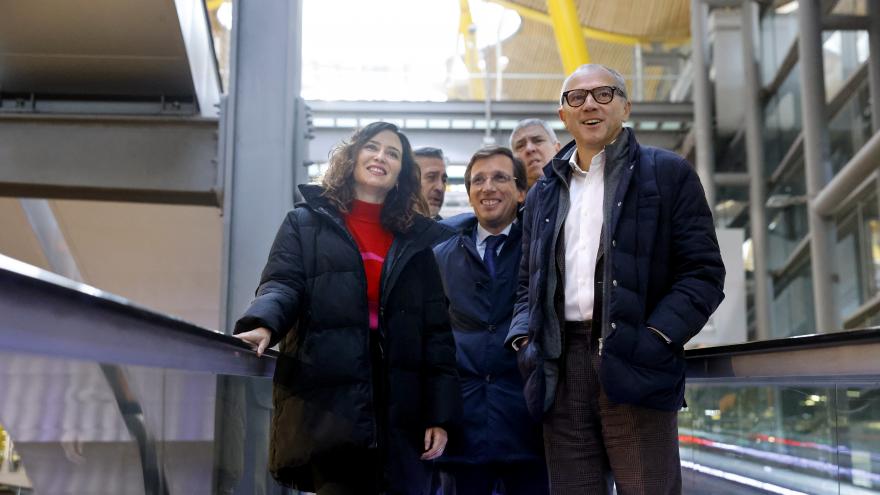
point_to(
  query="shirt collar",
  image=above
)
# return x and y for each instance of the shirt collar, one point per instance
(482, 233)
(596, 163)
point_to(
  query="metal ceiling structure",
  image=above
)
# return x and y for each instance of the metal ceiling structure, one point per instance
(462, 127)
(645, 41)
(140, 51)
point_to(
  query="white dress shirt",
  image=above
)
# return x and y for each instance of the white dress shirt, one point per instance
(583, 227)
(482, 234)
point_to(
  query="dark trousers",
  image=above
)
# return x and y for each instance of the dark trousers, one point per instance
(592, 443)
(512, 478)
(349, 472)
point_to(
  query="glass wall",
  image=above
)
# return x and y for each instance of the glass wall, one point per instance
(782, 120)
(778, 32)
(83, 427)
(792, 307)
(850, 128)
(857, 255)
(845, 73)
(786, 214)
(843, 52)
(822, 439)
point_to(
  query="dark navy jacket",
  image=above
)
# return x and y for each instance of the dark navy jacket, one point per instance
(497, 426)
(663, 268)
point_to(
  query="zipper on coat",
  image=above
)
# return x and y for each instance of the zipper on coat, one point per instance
(384, 276)
(381, 340)
(600, 345)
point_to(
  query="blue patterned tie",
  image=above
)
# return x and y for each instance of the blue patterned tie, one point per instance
(489, 257)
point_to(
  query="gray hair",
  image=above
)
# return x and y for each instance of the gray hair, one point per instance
(431, 152)
(522, 124)
(619, 81)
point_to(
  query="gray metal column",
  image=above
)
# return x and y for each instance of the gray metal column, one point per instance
(755, 163)
(703, 121)
(638, 74)
(52, 241)
(874, 62)
(260, 141)
(816, 153)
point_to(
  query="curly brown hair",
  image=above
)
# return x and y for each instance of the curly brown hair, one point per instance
(402, 203)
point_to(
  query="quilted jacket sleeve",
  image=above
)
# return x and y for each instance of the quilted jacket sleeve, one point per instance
(519, 326)
(695, 263)
(281, 288)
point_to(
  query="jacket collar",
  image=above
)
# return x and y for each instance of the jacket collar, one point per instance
(313, 196)
(461, 223)
(424, 230)
(465, 225)
(559, 167)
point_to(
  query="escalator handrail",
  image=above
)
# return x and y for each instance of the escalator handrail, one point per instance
(837, 356)
(46, 314)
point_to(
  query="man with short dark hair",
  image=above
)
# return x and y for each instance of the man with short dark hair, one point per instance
(620, 268)
(432, 164)
(497, 442)
(534, 142)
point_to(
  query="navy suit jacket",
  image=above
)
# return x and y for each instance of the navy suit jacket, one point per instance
(496, 427)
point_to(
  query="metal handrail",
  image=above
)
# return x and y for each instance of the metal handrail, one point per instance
(46, 314)
(829, 357)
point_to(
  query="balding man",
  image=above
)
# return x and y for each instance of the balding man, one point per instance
(620, 269)
(534, 142)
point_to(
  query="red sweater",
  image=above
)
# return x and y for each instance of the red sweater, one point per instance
(374, 241)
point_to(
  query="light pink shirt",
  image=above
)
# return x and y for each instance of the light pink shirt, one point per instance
(583, 227)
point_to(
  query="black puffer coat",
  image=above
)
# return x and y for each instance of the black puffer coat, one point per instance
(312, 295)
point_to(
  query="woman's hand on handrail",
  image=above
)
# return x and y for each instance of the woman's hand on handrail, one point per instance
(257, 338)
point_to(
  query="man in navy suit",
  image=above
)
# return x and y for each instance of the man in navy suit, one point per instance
(620, 268)
(498, 443)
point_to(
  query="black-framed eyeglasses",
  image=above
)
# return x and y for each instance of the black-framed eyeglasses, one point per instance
(601, 94)
(498, 178)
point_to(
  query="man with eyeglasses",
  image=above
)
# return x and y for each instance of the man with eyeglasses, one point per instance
(620, 268)
(497, 443)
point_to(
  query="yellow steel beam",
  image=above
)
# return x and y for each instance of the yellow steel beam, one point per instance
(471, 57)
(567, 30)
(588, 32)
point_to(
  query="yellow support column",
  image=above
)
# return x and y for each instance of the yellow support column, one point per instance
(471, 57)
(569, 37)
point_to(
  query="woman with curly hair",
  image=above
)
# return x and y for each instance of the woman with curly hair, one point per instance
(365, 385)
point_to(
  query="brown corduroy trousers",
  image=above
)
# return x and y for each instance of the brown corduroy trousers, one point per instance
(592, 443)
